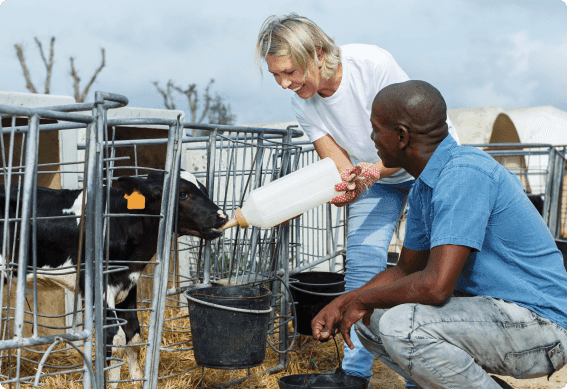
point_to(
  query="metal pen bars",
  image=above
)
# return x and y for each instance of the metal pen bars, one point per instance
(47, 338)
(25, 331)
(42, 337)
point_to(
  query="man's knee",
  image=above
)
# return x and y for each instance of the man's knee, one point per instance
(387, 326)
(397, 322)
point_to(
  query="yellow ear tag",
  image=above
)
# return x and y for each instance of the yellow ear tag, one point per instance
(136, 200)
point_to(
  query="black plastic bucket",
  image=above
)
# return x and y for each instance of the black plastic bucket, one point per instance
(323, 381)
(229, 325)
(311, 291)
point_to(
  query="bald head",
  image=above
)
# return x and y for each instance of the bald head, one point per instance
(414, 104)
(409, 121)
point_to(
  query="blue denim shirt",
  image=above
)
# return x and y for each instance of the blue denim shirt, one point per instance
(464, 197)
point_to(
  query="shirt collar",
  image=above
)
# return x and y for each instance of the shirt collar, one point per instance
(439, 159)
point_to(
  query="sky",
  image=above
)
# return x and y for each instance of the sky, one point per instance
(507, 53)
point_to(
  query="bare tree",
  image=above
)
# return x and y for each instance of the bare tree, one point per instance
(48, 65)
(166, 94)
(221, 113)
(48, 62)
(213, 108)
(81, 96)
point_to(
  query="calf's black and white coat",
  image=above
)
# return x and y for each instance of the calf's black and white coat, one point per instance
(133, 242)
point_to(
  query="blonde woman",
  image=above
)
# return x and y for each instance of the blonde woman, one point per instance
(333, 89)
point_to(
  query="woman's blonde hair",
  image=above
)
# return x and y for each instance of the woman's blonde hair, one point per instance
(298, 37)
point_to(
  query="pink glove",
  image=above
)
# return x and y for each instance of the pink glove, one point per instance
(355, 180)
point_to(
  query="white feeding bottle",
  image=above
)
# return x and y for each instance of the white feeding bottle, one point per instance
(289, 196)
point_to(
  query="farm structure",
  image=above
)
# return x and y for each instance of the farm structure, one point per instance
(250, 157)
(114, 141)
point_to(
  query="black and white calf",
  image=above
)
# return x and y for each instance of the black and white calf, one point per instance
(133, 241)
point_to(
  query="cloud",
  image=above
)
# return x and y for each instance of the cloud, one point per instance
(514, 70)
(477, 52)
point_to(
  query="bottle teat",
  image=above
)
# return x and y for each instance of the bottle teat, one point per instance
(238, 219)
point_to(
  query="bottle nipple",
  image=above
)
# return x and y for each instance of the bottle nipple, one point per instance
(238, 219)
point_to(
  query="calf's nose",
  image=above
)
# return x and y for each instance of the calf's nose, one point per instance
(222, 216)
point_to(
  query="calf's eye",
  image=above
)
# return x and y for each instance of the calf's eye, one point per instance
(183, 195)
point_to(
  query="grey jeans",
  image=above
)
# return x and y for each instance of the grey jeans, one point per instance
(457, 344)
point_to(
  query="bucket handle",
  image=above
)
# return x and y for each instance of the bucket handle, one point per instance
(339, 368)
(295, 280)
(294, 320)
(260, 312)
(316, 293)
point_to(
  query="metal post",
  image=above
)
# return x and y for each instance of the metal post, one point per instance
(549, 185)
(100, 304)
(284, 258)
(159, 293)
(555, 202)
(89, 245)
(31, 164)
(211, 156)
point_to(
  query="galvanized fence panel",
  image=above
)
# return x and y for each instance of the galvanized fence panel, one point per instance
(121, 157)
(30, 336)
(25, 330)
(231, 162)
(318, 237)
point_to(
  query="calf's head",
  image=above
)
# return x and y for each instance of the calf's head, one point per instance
(197, 215)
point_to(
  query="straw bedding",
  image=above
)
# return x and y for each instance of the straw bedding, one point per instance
(324, 360)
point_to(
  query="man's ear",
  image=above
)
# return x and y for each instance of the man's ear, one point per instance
(403, 136)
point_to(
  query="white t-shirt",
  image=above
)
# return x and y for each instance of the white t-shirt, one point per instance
(346, 114)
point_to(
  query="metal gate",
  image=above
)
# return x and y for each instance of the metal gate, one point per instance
(30, 341)
(232, 161)
(25, 331)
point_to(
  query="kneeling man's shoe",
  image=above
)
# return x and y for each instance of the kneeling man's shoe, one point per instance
(501, 382)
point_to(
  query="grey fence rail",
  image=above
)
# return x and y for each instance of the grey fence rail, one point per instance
(318, 237)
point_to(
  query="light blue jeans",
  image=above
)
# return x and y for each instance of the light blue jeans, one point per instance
(371, 222)
(457, 344)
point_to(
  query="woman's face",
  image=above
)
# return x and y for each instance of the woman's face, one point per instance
(289, 77)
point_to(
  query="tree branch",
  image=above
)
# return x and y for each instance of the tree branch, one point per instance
(192, 97)
(207, 100)
(20, 54)
(76, 79)
(214, 108)
(83, 95)
(167, 98)
(48, 65)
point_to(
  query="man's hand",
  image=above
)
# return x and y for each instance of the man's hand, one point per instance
(354, 313)
(355, 180)
(326, 324)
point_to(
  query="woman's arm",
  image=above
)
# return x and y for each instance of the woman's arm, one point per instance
(327, 147)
